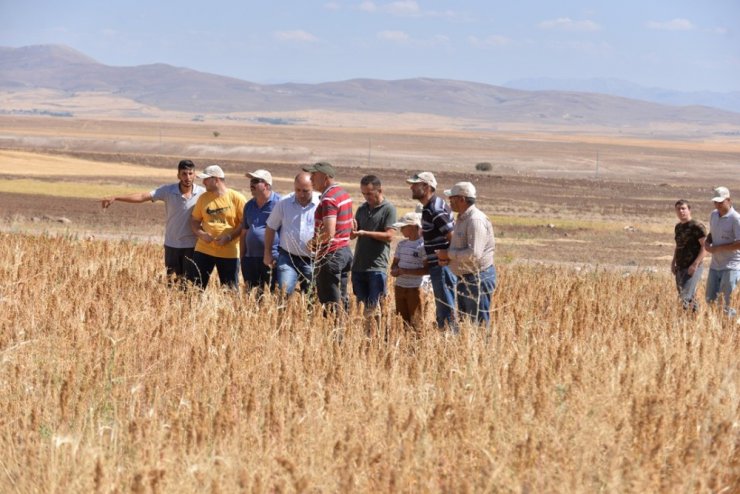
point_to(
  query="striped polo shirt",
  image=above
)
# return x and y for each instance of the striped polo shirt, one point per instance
(436, 223)
(335, 202)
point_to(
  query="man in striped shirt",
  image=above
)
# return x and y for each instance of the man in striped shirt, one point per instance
(437, 225)
(333, 225)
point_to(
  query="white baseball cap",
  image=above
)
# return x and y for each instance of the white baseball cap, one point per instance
(720, 194)
(423, 178)
(261, 175)
(464, 189)
(408, 219)
(212, 171)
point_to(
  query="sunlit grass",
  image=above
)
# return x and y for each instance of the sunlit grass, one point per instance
(591, 381)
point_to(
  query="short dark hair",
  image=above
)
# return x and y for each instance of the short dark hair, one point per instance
(185, 165)
(681, 202)
(370, 180)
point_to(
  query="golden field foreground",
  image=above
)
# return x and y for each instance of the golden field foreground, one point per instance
(592, 381)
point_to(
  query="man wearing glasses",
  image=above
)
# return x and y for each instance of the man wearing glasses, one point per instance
(723, 242)
(256, 274)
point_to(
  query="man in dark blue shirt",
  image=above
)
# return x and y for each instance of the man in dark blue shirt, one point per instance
(252, 248)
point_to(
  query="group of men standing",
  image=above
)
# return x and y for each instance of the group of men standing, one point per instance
(302, 240)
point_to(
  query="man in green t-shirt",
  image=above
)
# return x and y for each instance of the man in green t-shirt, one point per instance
(373, 229)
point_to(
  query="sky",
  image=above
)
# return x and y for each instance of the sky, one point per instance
(687, 45)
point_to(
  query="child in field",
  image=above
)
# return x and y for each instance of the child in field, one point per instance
(410, 269)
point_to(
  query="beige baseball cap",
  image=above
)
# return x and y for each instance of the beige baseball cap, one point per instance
(260, 174)
(423, 178)
(720, 194)
(464, 189)
(408, 219)
(212, 171)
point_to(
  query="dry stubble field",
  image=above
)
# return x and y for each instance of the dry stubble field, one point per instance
(592, 379)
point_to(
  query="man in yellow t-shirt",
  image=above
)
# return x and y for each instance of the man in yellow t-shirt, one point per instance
(217, 222)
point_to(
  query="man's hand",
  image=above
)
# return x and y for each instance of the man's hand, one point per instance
(268, 260)
(222, 239)
(107, 201)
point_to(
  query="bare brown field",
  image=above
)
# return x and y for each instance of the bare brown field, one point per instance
(591, 381)
(544, 194)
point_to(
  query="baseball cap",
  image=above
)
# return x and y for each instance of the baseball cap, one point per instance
(212, 171)
(408, 219)
(323, 167)
(464, 189)
(720, 194)
(423, 178)
(260, 174)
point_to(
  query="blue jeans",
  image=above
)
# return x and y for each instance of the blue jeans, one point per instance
(290, 268)
(686, 285)
(369, 286)
(474, 292)
(724, 281)
(443, 285)
(199, 271)
(256, 274)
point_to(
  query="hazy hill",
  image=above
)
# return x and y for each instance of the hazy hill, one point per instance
(617, 87)
(182, 89)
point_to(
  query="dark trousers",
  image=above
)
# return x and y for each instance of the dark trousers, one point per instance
(332, 275)
(199, 271)
(256, 274)
(176, 261)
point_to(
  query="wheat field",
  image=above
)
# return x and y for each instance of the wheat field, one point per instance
(591, 381)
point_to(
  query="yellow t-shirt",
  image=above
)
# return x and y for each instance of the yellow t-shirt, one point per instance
(218, 215)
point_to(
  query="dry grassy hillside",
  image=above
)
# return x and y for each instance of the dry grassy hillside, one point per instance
(591, 381)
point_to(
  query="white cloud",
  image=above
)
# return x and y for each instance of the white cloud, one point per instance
(403, 7)
(394, 36)
(568, 24)
(719, 30)
(332, 6)
(494, 40)
(368, 6)
(408, 8)
(297, 36)
(672, 25)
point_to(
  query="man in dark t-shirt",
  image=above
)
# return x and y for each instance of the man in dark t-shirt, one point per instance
(373, 229)
(689, 254)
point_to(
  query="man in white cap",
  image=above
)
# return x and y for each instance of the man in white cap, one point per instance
(723, 242)
(252, 247)
(179, 199)
(217, 222)
(471, 255)
(436, 225)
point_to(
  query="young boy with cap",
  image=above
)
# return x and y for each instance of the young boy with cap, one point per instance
(410, 270)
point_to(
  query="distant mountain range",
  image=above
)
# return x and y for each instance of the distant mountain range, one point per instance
(617, 87)
(181, 89)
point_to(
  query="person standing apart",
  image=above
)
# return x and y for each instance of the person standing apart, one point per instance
(330, 243)
(252, 246)
(409, 268)
(293, 218)
(217, 222)
(179, 200)
(470, 255)
(437, 225)
(723, 242)
(688, 257)
(373, 229)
